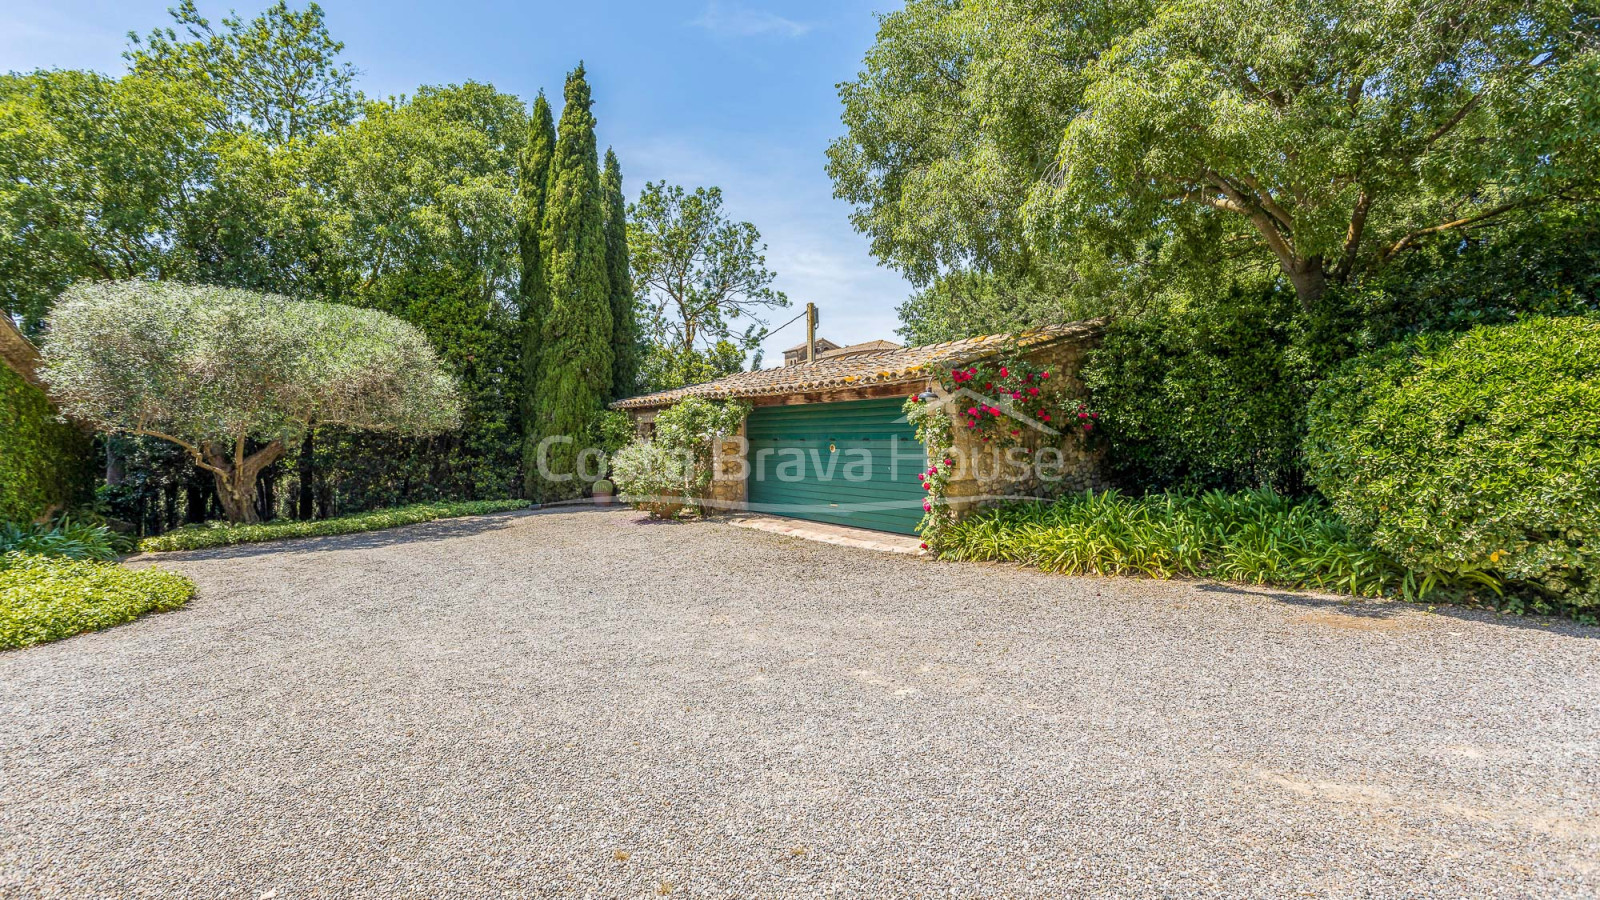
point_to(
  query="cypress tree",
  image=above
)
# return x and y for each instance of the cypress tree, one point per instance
(624, 322)
(533, 290)
(575, 353)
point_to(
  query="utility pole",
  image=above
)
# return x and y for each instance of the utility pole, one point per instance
(811, 332)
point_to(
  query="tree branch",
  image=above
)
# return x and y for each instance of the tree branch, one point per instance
(1410, 239)
(1352, 236)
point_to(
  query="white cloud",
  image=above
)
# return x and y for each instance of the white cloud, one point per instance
(740, 21)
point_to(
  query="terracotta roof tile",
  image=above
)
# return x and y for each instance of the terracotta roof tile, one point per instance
(903, 365)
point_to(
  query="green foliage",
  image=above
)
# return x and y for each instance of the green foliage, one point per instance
(1319, 138)
(277, 75)
(668, 366)
(1547, 264)
(613, 430)
(97, 175)
(209, 369)
(1211, 395)
(698, 272)
(202, 537)
(1254, 537)
(673, 471)
(576, 365)
(533, 288)
(1473, 453)
(653, 478)
(47, 599)
(625, 338)
(44, 463)
(66, 538)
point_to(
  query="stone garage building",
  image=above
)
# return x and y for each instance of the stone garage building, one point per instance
(807, 417)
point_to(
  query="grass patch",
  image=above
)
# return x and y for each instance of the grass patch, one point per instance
(222, 534)
(48, 598)
(1253, 537)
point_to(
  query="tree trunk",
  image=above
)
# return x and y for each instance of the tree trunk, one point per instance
(236, 482)
(308, 475)
(1309, 278)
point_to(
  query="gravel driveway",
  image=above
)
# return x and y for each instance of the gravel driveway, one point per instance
(586, 703)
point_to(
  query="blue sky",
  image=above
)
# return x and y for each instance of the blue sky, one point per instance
(699, 92)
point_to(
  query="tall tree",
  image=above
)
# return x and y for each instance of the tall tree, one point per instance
(700, 270)
(1317, 138)
(533, 288)
(278, 75)
(575, 369)
(96, 178)
(624, 317)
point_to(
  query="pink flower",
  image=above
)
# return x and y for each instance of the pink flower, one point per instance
(988, 385)
(1083, 415)
(933, 470)
(927, 506)
(1045, 417)
(1016, 395)
(1033, 392)
(972, 423)
(972, 410)
(924, 546)
(1094, 415)
(1088, 426)
(1043, 375)
(948, 461)
(1004, 373)
(1015, 432)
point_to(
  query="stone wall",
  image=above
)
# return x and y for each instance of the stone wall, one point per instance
(985, 476)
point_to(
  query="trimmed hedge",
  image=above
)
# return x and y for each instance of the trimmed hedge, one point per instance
(1254, 537)
(1473, 452)
(1210, 395)
(44, 463)
(46, 599)
(222, 534)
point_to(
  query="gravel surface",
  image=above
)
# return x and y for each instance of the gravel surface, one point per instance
(584, 702)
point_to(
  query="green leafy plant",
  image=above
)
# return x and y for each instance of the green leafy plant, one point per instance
(673, 471)
(218, 534)
(66, 538)
(1253, 537)
(46, 598)
(43, 460)
(1473, 455)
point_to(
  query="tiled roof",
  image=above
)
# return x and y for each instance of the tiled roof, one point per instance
(902, 365)
(801, 347)
(864, 347)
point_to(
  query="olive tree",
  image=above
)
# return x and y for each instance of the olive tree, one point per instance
(233, 377)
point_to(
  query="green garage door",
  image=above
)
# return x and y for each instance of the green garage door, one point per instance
(852, 463)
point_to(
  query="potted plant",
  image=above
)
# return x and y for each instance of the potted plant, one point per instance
(604, 492)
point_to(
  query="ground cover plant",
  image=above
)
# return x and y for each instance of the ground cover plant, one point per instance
(1253, 537)
(45, 598)
(200, 537)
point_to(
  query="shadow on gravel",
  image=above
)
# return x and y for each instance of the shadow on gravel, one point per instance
(1363, 608)
(420, 533)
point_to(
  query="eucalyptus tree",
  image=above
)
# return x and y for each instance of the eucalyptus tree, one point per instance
(233, 377)
(1321, 138)
(698, 272)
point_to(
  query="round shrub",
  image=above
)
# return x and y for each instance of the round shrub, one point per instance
(1473, 452)
(653, 478)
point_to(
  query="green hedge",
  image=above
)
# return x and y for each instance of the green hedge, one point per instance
(221, 534)
(46, 599)
(1473, 452)
(44, 463)
(1254, 537)
(1210, 395)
